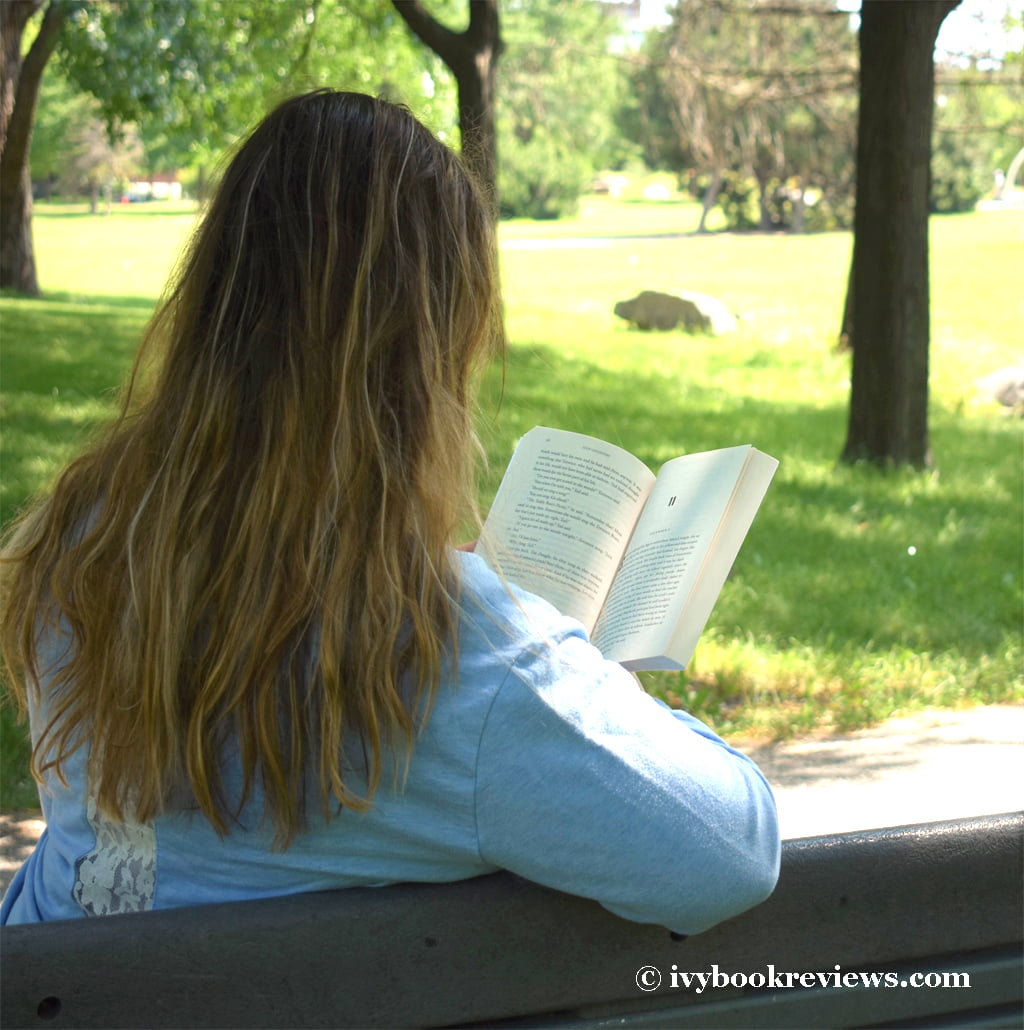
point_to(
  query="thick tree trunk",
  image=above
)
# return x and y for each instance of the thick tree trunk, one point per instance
(17, 254)
(889, 278)
(472, 56)
(19, 94)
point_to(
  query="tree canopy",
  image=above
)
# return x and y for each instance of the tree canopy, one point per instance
(561, 88)
(759, 90)
(192, 76)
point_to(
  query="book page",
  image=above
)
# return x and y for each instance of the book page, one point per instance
(758, 471)
(666, 556)
(562, 518)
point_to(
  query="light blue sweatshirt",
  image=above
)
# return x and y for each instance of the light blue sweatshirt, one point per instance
(543, 759)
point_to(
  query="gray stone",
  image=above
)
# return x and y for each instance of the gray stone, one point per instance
(692, 312)
(1006, 387)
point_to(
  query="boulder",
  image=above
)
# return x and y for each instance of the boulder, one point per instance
(692, 312)
(1005, 387)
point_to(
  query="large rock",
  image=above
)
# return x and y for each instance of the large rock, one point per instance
(693, 312)
(1006, 387)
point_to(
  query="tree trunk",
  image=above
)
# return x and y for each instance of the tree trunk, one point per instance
(710, 196)
(19, 94)
(846, 328)
(888, 422)
(472, 57)
(800, 208)
(764, 218)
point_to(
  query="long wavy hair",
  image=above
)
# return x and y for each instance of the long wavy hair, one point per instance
(258, 549)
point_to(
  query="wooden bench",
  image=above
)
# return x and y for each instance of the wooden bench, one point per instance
(927, 901)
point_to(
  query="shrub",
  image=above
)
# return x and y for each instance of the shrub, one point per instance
(541, 178)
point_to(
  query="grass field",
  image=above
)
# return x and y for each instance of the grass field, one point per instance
(858, 594)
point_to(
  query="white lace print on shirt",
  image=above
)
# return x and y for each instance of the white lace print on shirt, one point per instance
(119, 874)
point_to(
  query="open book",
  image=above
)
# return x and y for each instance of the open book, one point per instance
(639, 559)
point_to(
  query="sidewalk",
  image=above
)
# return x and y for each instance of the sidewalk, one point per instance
(939, 765)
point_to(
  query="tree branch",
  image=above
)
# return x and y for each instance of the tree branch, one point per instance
(18, 134)
(483, 28)
(44, 43)
(300, 61)
(14, 16)
(26, 92)
(442, 40)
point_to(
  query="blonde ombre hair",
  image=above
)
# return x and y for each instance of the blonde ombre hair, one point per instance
(258, 549)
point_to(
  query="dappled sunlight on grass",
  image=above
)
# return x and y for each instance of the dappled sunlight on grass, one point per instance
(857, 595)
(62, 363)
(898, 589)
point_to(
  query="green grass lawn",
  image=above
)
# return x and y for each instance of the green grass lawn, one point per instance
(858, 594)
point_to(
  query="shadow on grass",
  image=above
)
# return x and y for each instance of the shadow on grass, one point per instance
(17, 788)
(54, 348)
(94, 300)
(62, 363)
(88, 301)
(838, 555)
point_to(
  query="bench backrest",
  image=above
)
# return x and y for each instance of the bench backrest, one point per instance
(926, 899)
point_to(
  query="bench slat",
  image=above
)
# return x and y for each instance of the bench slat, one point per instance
(498, 947)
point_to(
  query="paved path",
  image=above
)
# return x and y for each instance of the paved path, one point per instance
(939, 765)
(18, 835)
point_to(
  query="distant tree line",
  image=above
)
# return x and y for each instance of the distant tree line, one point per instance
(752, 103)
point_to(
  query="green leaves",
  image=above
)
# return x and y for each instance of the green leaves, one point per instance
(559, 89)
(196, 74)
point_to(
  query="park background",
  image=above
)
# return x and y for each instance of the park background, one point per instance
(861, 593)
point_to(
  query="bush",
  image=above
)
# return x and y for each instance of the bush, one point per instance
(958, 180)
(832, 211)
(738, 200)
(824, 210)
(541, 178)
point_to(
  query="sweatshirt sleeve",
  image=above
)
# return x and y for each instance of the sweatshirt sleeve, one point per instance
(590, 786)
